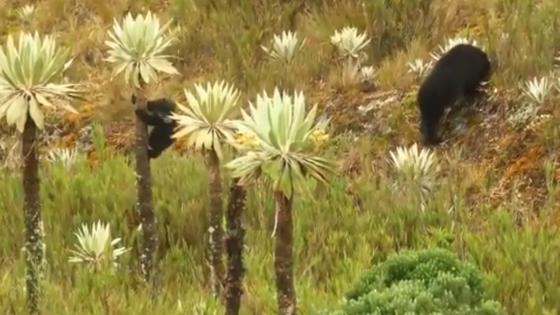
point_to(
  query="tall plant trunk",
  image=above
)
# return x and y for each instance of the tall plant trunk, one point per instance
(144, 193)
(34, 245)
(216, 218)
(283, 260)
(286, 82)
(234, 248)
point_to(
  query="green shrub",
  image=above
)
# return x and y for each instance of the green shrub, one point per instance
(432, 281)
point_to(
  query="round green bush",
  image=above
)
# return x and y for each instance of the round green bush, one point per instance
(432, 281)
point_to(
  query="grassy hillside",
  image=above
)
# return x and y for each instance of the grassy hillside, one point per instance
(495, 201)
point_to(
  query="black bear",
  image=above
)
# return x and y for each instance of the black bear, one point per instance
(458, 74)
(156, 115)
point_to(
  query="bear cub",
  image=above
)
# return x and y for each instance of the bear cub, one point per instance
(457, 75)
(157, 115)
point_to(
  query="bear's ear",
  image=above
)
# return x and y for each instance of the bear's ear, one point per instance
(172, 105)
(153, 105)
(169, 105)
(162, 105)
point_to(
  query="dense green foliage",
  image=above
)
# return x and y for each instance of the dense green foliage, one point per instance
(430, 281)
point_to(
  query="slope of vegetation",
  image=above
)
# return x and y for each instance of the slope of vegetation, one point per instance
(494, 200)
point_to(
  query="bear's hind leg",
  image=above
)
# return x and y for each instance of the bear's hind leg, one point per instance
(160, 140)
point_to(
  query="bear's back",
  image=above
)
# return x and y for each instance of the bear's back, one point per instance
(463, 61)
(463, 65)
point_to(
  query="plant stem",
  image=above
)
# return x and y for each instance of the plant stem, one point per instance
(234, 248)
(32, 212)
(144, 193)
(283, 263)
(216, 218)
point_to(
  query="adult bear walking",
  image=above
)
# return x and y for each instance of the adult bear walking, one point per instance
(456, 75)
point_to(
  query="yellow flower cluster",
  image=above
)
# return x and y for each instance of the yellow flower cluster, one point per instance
(246, 140)
(319, 137)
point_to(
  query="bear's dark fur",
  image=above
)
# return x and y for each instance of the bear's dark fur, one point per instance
(457, 75)
(156, 115)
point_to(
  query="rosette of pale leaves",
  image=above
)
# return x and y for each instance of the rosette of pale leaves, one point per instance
(137, 49)
(26, 12)
(207, 120)
(416, 167)
(66, 157)
(284, 46)
(368, 74)
(349, 42)
(31, 70)
(419, 67)
(537, 89)
(280, 140)
(95, 246)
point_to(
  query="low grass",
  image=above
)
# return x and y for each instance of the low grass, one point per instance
(339, 233)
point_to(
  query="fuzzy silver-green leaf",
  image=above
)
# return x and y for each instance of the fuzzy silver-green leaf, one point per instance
(207, 120)
(136, 48)
(31, 69)
(285, 138)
